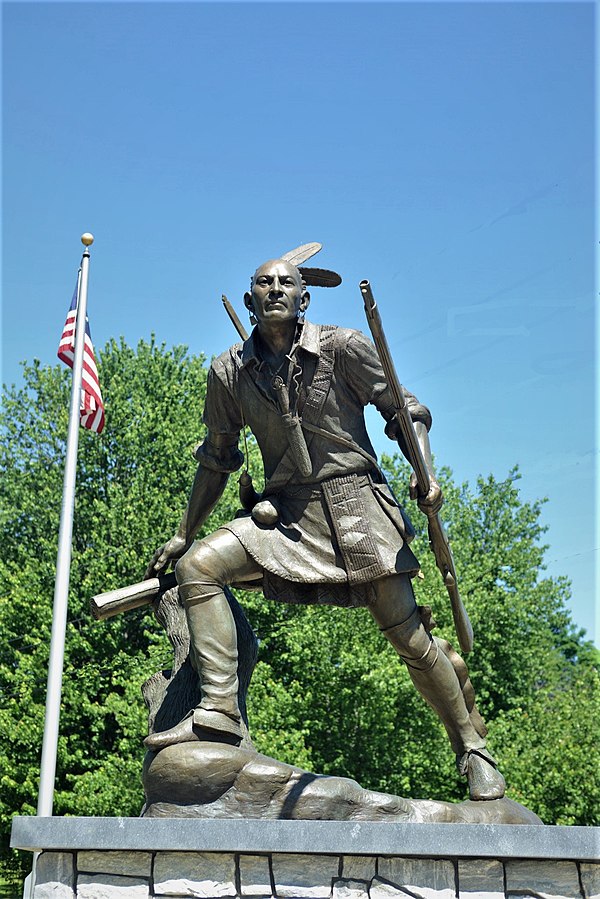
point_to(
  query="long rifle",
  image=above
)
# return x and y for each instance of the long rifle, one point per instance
(438, 539)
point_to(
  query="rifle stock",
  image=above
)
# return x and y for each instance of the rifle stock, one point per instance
(438, 538)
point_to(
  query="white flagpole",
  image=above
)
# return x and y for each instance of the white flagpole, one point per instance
(63, 560)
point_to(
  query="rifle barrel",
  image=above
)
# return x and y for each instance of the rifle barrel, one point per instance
(387, 363)
(437, 535)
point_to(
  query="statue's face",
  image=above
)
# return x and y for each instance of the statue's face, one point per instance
(277, 293)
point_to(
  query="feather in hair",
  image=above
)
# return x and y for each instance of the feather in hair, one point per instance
(301, 254)
(319, 277)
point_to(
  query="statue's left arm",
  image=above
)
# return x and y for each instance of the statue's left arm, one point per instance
(368, 380)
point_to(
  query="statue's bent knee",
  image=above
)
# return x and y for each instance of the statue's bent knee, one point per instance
(198, 574)
(184, 569)
(194, 567)
(415, 646)
(209, 565)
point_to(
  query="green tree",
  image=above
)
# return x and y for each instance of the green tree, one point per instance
(359, 714)
(328, 692)
(132, 486)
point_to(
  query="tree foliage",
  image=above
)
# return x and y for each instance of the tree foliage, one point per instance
(132, 485)
(328, 692)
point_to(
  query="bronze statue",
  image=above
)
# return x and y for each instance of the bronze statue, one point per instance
(326, 529)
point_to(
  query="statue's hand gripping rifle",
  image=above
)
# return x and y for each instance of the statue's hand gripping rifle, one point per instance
(438, 539)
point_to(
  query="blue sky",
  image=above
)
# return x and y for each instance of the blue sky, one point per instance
(445, 151)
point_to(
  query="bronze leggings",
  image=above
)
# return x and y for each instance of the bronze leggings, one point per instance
(220, 559)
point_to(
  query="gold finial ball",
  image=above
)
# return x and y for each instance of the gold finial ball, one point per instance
(87, 239)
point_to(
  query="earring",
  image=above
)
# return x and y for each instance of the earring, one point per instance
(253, 318)
(301, 315)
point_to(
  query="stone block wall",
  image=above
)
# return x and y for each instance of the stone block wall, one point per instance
(87, 874)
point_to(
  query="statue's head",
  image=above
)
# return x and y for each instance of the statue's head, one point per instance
(277, 292)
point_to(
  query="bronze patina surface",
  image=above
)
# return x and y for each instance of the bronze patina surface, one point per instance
(327, 529)
(224, 777)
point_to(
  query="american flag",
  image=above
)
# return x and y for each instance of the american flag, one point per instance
(91, 409)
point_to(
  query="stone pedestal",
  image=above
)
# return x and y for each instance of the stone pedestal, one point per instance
(144, 858)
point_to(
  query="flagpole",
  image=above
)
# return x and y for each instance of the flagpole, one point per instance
(63, 560)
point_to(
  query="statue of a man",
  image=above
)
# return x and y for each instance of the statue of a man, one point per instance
(328, 529)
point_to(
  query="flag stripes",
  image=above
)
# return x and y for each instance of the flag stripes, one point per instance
(91, 407)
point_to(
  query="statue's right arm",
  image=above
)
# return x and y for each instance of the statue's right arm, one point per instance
(206, 492)
(218, 456)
